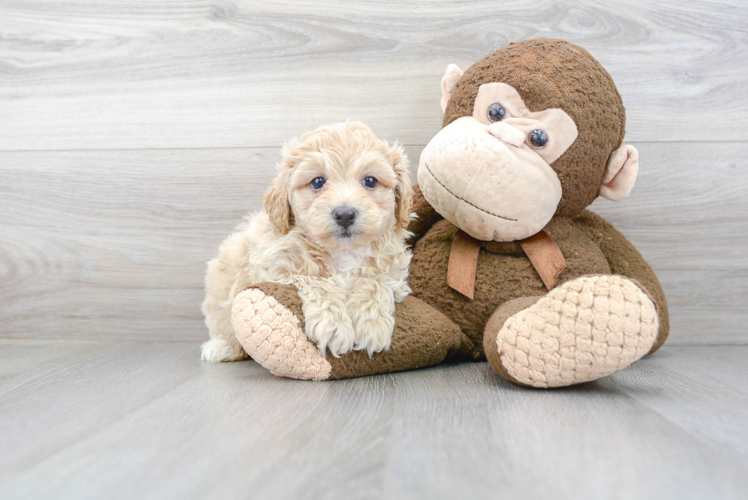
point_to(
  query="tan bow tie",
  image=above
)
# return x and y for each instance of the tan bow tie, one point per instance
(542, 251)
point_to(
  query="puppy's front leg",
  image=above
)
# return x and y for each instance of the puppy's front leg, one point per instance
(371, 307)
(325, 316)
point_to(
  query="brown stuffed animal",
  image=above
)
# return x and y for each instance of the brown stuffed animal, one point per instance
(507, 263)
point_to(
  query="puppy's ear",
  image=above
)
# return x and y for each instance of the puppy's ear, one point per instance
(276, 202)
(403, 188)
(277, 205)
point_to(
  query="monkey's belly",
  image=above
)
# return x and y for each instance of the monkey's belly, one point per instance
(504, 273)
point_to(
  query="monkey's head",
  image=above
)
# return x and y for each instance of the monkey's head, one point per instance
(530, 131)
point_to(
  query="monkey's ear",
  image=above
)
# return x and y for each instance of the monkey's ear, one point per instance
(403, 188)
(449, 80)
(620, 173)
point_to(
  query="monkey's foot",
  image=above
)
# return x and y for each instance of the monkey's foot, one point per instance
(269, 323)
(584, 330)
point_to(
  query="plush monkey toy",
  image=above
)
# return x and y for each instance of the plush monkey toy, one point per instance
(507, 263)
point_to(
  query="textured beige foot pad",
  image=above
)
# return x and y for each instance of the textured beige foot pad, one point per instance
(274, 336)
(583, 330)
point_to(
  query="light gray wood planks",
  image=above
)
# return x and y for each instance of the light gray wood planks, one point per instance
(115, 242)
(148, 420)
(145, 74)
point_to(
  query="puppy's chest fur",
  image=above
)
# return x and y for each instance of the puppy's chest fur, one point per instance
(348, 261)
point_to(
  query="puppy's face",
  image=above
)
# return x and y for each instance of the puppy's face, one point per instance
(344, 202)
(344, 187)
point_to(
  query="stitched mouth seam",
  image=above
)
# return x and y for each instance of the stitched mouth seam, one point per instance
(462, 199)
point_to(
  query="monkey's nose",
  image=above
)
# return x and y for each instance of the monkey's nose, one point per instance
(344, 216)
(507, 133)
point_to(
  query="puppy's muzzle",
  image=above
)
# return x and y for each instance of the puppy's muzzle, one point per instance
(344, 216)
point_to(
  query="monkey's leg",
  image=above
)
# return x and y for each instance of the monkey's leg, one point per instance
(585, 329)
(624, 259)
(269, 323)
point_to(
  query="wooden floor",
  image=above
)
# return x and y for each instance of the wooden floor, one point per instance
(135, 135)
(135, 419)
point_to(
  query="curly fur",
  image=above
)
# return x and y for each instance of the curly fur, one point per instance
(348, 279)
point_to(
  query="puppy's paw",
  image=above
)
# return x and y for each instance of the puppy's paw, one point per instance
(374, 334)
(342, 340)
(219, 350)
(333, 332)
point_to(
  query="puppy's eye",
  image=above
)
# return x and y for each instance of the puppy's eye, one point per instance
(496, 112)
(317, 183)
(538, 138)
(371, 182)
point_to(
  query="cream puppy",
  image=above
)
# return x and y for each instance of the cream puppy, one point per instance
(334, 225)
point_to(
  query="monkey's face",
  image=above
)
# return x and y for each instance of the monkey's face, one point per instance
(490, 174)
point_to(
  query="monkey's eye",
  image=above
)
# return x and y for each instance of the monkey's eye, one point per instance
(317, 183)
(538, 138)
(496, 112)
(371, 182)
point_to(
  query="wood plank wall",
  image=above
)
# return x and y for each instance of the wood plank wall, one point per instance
(134, 136)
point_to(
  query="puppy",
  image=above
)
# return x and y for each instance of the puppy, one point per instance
(334, 225)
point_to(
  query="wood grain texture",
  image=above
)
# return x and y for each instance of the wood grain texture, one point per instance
(115, 242)
(135, 419)
(175, 74)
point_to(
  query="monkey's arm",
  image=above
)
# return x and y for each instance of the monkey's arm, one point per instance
(426, 216)
(624, 259)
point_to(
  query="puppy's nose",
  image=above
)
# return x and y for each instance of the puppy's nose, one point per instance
(344, 216)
